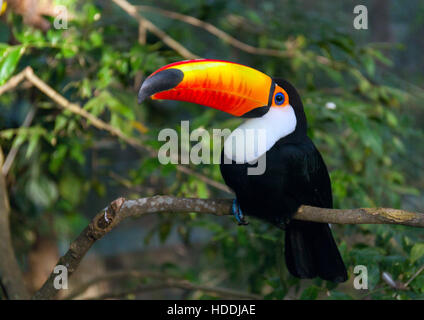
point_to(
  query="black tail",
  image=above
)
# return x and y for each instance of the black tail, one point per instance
(311, 252)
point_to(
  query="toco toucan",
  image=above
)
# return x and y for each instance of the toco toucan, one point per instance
(295, 172)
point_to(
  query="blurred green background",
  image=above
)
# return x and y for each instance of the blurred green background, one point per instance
(362, 91)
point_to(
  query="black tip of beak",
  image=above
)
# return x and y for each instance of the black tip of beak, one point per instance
(161, 81)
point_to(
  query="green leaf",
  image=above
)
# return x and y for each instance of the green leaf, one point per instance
(310, 293)
(57, 158)
(41, 191)
(60, 123)
(417, 252)
(374, 275)
(33, 142)
(96, 39)
(164, 231)
(380, 57)
(20, 139)
(418, 283)
(369, 65)
(7, 134)
(69, 52)
(70, 188)
(8, 62)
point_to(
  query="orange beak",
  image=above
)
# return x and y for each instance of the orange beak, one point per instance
(222, 85)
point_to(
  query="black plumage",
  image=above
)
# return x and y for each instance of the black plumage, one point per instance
(295, 175)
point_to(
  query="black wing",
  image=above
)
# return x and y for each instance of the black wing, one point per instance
(310, 182)
(310, 249)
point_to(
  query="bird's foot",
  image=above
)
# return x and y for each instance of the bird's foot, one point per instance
(238, 213)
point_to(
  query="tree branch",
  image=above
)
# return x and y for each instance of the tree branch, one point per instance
(13, 82)
(288, 53)
(121, 209)
(11, 278)
(14, 150)
(173, 44)
(217, 32)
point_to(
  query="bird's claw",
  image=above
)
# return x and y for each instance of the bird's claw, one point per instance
(236, 210)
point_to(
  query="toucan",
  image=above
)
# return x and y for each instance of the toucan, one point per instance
(295, 172)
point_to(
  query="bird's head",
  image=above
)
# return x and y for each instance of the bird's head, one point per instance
(234, 88)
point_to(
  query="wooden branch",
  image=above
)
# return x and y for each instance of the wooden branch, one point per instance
(173, 44)
(288, 53)
(121, 209)
(11, 278)
(14, 150)
(165, 281)
(227, 38)
(13, 82)
(29, 75)
(416, 274)
(76, 109)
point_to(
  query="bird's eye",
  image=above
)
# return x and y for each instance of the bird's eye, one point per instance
(279, 98)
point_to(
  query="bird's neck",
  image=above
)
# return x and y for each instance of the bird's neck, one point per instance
(258, 135)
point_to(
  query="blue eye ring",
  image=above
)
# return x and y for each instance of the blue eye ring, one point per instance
(279, 98)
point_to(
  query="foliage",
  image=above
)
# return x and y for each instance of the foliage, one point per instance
(64, 165)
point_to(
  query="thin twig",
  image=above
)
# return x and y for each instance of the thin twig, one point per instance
(76, 109)
(14, 150)
(142, 33)
(175, 45)
(288, 53)
(414, 276)
(217, 32)
(11, 278)
(13, 82)
(398, 285)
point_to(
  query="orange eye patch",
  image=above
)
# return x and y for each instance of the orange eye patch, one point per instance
(281, 98)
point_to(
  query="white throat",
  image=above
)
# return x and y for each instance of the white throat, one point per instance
(256, 136)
